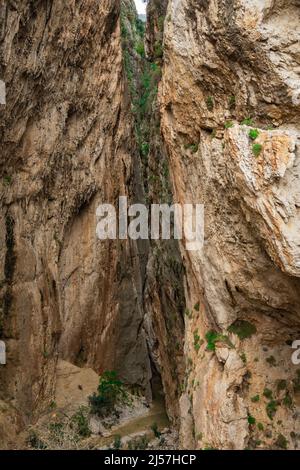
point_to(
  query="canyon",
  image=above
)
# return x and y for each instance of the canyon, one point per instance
(199, 105)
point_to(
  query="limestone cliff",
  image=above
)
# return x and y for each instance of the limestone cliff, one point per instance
(200, 105)
(230, 119)
(73, 135)
(67, 144)
(163, 296)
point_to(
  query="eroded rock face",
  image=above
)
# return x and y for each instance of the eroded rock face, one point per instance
(156, 15)
(66, 145)
(69, 141)
(225, 62)
(163, 295)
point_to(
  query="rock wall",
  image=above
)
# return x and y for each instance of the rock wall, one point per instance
(67, 144)
(231, 67)
(163, 295)
(82, 125)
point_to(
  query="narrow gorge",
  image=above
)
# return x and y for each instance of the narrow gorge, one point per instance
(199, 103)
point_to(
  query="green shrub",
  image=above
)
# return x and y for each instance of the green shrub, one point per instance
(140, 27)
(231, 101)
(243, 329)
(197, 306)
(281, 442)
(35, 442)
(255, 399)
(247, 122)
(228, 124)
(197, 341)
(271, 408)
(188, 313)
(160, 23)
(155, 430)
(256, 149)
(196, 336)
(268, 393)
(287, 401)
(192, 147)
(124, 30)
(7, 180)
(243, 357)
(251, 419)
(110, 392)
(210, 103)
(117, 445)
(281, 385)
(158, 50)
(211, 338)
(57, 432)
(253, 134)
(260, 426)
(81, 421)
(140, 48)
(144, 149)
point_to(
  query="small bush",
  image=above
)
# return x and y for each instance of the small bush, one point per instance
(160, 23)
(243, 329)
(260, 426)
(110, 392)
(281, 442)
(192, 147)
(271, 408)
(251, 420)
(281, 385)
(247, 122)
(155, 430)
(210, 103)
(232, 101)
(140, 27)
(158, 50)
(144, 149)
(268, 393)
(188, 313)
(197, 341)
(140, 49)
(117, 445)
(81, 421)
(255, 399)
(287, 401)
(253, 134)
(243, 357)
(7, 180)
(228, 124)
(35, 442)
(256, 149)
(211, 338)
